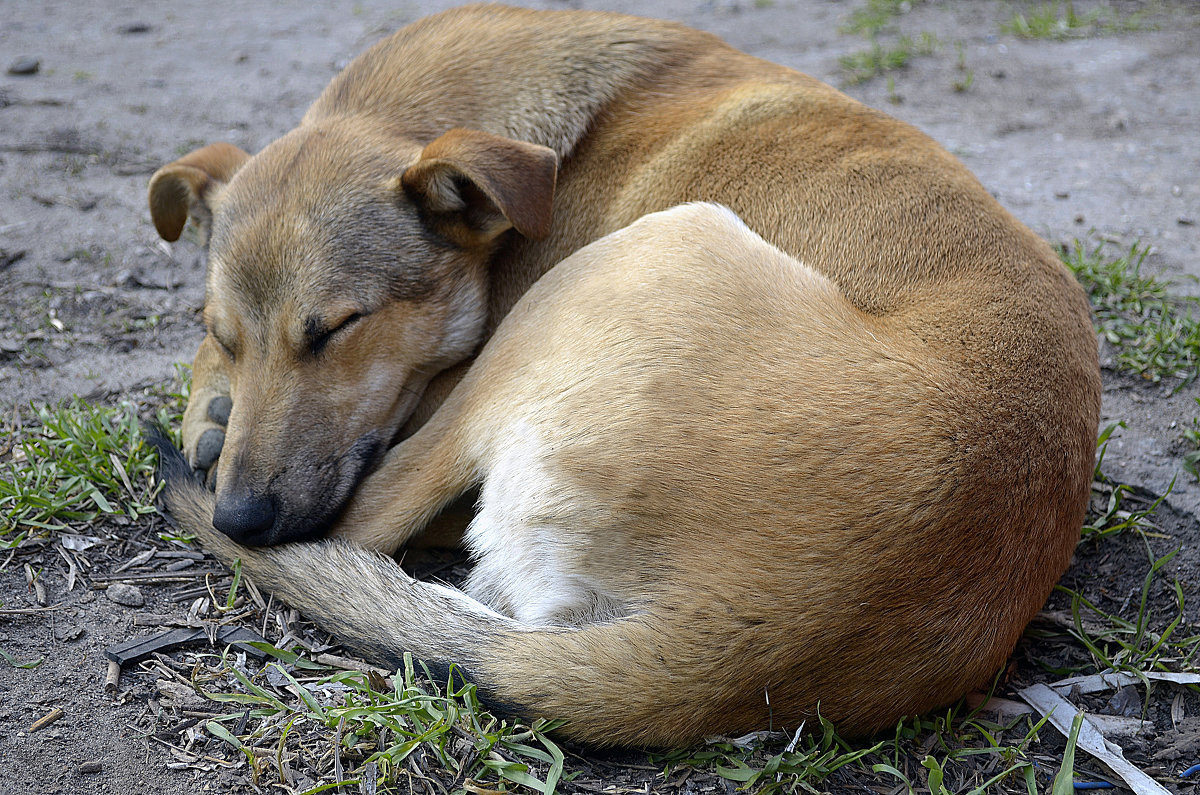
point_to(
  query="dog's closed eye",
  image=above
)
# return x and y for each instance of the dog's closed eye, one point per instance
(319, 333)
(224, 345)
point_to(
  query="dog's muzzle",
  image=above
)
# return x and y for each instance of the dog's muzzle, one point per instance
(301, 503)
(246, 518)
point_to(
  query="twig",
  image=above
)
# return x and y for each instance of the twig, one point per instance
(345, 663)
(34, 147)
(175, 749)
(113, 678)
(29, 611)
(46, 719)
(35, 581)
(151, 576)
(72, 569)
(338, 773)
(136, 560)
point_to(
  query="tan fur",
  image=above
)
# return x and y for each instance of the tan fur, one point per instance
(725, 478)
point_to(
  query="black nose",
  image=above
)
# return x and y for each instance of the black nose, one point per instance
(246, 518)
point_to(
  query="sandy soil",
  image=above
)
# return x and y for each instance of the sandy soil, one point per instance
(1096, 138)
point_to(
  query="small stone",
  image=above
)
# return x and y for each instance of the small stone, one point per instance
(64, 633)
(1185, 220)
(133, 28)
(125, 594)
(25, 65)
(1126, 702)
(87, 768)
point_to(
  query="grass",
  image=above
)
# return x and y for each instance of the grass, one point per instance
(953, 751)
(1058, 20)
(1153, 333)
(769, 762)
(1119, 643)
(77, 463)
(873, 20)
(1112, 640)
(879, 59)
(384, 731)
(874, 17)
(1191, 459)
(381, 734)
(967, 78)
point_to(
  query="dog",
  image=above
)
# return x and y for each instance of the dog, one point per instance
(771, 407)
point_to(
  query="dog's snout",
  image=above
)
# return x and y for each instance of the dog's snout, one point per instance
(246, 518)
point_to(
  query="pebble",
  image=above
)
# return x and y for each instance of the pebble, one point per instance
(25, 65)
(67, 632)
(90, 767)
(125, 594)
(1126, 702)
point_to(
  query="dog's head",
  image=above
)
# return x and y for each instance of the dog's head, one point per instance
(346, 267)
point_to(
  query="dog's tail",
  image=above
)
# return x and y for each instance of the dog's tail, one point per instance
(372, 606)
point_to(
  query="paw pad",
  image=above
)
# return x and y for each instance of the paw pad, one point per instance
(218, 411)
(208, 447)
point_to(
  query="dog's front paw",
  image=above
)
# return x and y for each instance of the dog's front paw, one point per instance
(204, 424)
(207, 414)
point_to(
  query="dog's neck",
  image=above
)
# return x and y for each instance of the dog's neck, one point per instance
(577, 67)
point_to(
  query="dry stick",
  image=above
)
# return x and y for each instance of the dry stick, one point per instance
(136, 560)
(37, 147)
(338, 774)
(101, 582)
(35, 580)
(114, 676)
(46, 719)
(72, 570)
(175, 749)
(266, 613)
(180, 553)
(29, 611)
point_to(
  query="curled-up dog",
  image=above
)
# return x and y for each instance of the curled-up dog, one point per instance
(769, 404)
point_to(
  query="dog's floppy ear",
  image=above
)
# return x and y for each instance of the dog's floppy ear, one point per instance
(184, 187)
(474, 185)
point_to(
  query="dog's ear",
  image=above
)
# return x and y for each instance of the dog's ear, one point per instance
(185, 187)
(474, 185)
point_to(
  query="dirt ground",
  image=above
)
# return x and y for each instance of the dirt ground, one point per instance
(1095, 138)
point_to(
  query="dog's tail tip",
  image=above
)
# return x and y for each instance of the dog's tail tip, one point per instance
(184, 498)
(173, 468)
